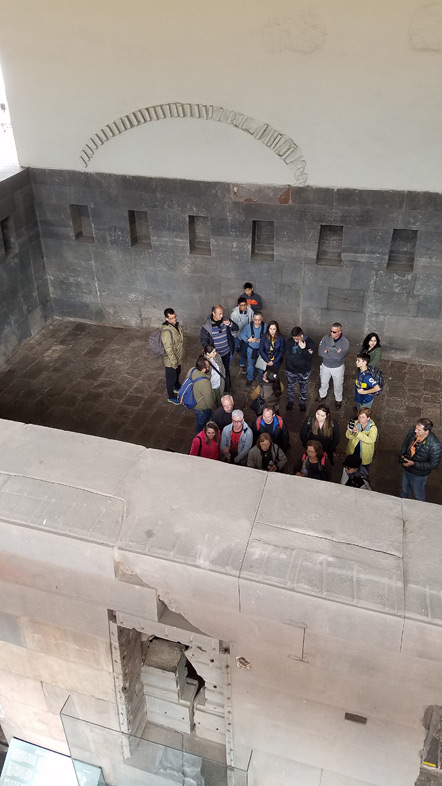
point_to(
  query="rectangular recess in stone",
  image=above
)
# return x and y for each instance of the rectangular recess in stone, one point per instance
(139, 229)
(330, 245)
(82, 223)
(402, 249)
(8, 237)
(350, 716)
(199, 235)
(263, 240)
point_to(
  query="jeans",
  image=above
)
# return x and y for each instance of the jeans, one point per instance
(294, 378)
(226, 364)
(338, 380)
(202, 417)
(172, 380)
(243, 360)
(413, 484)
(251, 367)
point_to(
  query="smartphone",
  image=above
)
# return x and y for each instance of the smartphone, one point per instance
(351, 425)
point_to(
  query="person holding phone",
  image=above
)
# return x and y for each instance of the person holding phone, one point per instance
(362, 436)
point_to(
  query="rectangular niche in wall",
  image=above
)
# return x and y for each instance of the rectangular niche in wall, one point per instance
(82, 223)
(402, 250)
(263, 240)
(8, 237)
(330, 245)
(199, 235)
(139, 229)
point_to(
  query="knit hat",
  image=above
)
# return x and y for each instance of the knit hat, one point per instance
(352, 461)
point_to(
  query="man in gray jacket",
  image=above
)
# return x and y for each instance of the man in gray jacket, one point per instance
(236, 440)
(333, 349)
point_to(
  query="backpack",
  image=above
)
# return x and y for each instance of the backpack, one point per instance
(185, 394)
(278, 418)
(377, 374)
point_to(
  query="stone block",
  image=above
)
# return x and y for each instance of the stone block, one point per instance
(25, 690)
(57, 671)
(19, 719)
(266, 768)
(66, 644)
(88, 708)
(392, 282)
(401, 305)
(10, 629)
(345, 299)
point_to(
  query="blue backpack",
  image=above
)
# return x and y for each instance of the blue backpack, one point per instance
(185, 394)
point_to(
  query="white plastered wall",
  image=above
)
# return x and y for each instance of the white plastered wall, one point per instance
(356, 85)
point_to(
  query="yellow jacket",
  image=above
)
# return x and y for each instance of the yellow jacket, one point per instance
(367, 440)
(173, 343)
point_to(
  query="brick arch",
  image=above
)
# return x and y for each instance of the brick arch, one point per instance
(281, 144)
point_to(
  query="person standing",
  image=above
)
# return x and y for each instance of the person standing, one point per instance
(333, 349)
(206, 443)
(223, 415)
(172, 340)
(271, 423)
(253, 299)
(202, 391)
(298, 366)
(420, 455)
(322, 428)
(272, 346)
(362, 438)
(242, 315)
(266, 455)
(365, 384)
(217, 332)
(236, 440)
(372, 345)
(313, 463)
(252, 335)
(217, 376)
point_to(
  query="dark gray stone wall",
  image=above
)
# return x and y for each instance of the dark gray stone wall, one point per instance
(112, 282)
(25, 301)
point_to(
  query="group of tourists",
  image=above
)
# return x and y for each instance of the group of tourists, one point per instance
(221, 430)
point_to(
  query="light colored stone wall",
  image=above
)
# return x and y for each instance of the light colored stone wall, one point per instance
(336, 607)
(356, 86)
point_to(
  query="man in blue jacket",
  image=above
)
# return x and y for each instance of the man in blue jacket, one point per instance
(252, 335)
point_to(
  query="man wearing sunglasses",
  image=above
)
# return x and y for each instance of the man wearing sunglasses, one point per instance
(333, 349)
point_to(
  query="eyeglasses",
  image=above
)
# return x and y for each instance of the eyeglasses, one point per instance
(236, 420)
(335, 331)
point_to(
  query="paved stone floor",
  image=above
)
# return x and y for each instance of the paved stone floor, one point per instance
(105, 381)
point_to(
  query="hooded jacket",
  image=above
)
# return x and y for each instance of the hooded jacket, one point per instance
(241, 319)
(206, 335)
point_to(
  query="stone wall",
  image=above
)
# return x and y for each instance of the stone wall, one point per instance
(133, 256)
(25, 302)
(323, 607)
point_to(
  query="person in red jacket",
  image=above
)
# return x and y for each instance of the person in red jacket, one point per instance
(206, 443)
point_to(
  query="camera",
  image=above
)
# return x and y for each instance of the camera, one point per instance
(402, 459)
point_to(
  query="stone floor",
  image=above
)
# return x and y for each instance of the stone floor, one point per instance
(105, 381)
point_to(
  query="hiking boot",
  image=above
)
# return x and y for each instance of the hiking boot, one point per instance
(249, 383)
(302, 406)
(289, 406)
(243, 369)
(338, 404)
(173, 401)
(320, 398)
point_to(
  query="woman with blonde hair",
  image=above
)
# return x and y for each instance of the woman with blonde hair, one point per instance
(323, 428)
(362, 438)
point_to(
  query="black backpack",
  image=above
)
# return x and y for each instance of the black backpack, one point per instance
(377, 375)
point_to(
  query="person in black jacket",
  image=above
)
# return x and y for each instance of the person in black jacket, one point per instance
(217, 332)
(269, 423)
(420, 454)
(298, 365)
(322, 428)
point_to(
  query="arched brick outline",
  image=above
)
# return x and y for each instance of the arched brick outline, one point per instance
(280, 143)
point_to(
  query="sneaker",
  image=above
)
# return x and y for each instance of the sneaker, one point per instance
(176, 391)
(289, 406)
(243, 369)
(338, 404)
(173, 401)
(302, 406)
(249, 383)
